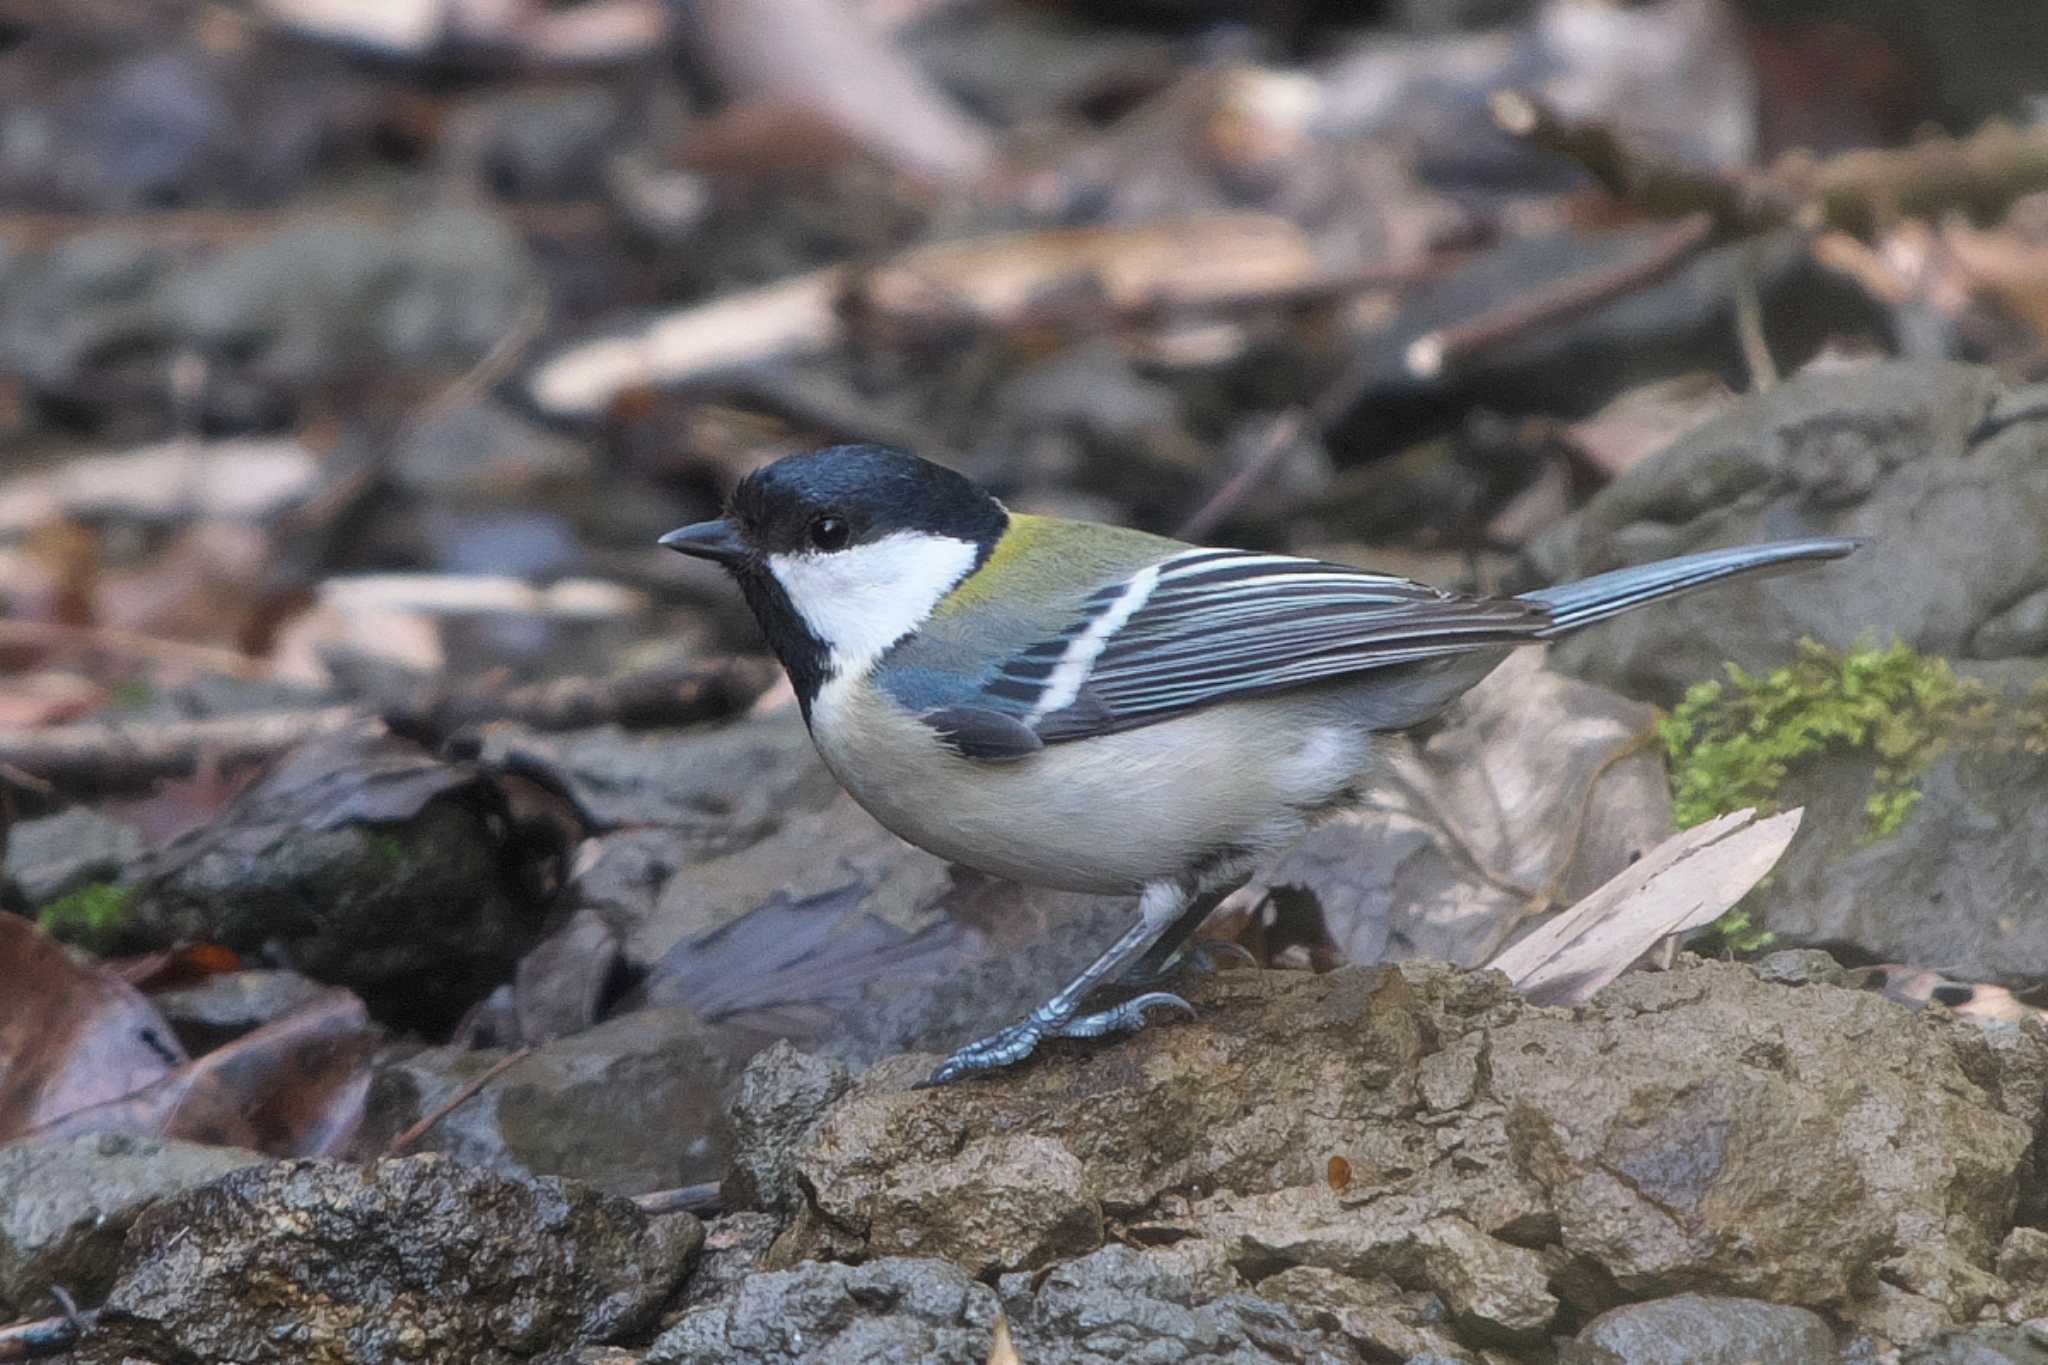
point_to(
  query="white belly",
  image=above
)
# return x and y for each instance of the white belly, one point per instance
(1107, 814)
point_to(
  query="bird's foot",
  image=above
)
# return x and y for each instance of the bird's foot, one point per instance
(1007, 1047)
(1203, 955)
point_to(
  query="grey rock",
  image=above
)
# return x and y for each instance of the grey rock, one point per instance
(1946, 472)
(895, 1308)
(1911, 455)
(1495, 1291)
(1116, 1304)
(359, 860)
(1691, 1129)
(447, 284)
(1122, 1304)
(1703, 1329)
(1377, 1316)
(1982, 1346)
(2020, 630)
(486, 450)
(552, 144)
(1939, 888)
(713, 790)
(229, 1004)
(49, 858)
(398, 1261)
(630, 1106)
(67, 1203)
(781, 1094)
(735, 1246)
(1799, 967)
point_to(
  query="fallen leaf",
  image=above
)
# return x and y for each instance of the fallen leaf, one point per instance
(1917, 988)
(1533, 791)
(72, 1034)
(1644, 420)
(1686, 882)
(790, 966)
(47, 699)
(1000, 1349)
(294, 1087)
(241, 478)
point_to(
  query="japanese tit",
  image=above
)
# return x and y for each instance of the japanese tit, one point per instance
(1097, 709)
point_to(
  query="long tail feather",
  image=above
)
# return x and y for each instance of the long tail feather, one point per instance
(1609, 594)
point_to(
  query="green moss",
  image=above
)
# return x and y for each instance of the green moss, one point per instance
(1733, 744)
(387, 851)
(91, 917)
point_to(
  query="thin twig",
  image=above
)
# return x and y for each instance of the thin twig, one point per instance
(418, 1130)
(1749, 321)
(51, 635)
(39, 1337)
(1430, 354)
(104, 754)
(699, 1199)
(1281, 438)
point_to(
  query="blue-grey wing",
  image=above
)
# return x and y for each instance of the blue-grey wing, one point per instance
(1217, 625)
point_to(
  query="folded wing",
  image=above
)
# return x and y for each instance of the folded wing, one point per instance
(1215, 625)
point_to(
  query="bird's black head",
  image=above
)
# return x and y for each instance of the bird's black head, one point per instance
(844, 496)
(842, 551)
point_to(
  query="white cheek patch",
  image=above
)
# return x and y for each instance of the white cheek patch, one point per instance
(863, 599)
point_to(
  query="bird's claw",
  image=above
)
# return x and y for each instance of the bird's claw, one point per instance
(1128, 1017)
(1007, 1047)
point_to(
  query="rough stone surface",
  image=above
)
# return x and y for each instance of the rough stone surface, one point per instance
(66, 1203)
(1703, 1329)
(733, 1249)
(780, 1095)
(2024, 1345)
(1692, 1130)
(1974, 845)
(826, 1314)
(1494, 1290)
(1937, 464)
(361, 860)
(49, 858)
(400, 1261)
(1179, 1303)
(1117, 1304)
(717, 790)
(1945, 471)
(632, 1105)
(227, 1005)
(1377, 1316)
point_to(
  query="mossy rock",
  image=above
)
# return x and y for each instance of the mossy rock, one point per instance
(1921, 787)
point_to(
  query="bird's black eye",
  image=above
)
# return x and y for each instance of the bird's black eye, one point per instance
(830, 533)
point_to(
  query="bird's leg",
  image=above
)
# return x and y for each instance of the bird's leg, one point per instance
(1160, 910)
(1165, 956)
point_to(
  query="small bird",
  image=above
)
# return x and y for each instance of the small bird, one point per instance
(1096, 709)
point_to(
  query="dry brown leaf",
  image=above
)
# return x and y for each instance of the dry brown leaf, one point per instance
(294, 1087)
(2009, 268)
(48, 699)
(240, 478)
(1000, 1350)
(1686, 882)
(72, 1034)
(1534, 791)
(1917, 988)
(1641, 422)
(998, 279)
(820, 54)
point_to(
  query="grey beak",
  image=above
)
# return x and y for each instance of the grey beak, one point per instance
(712, 540)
